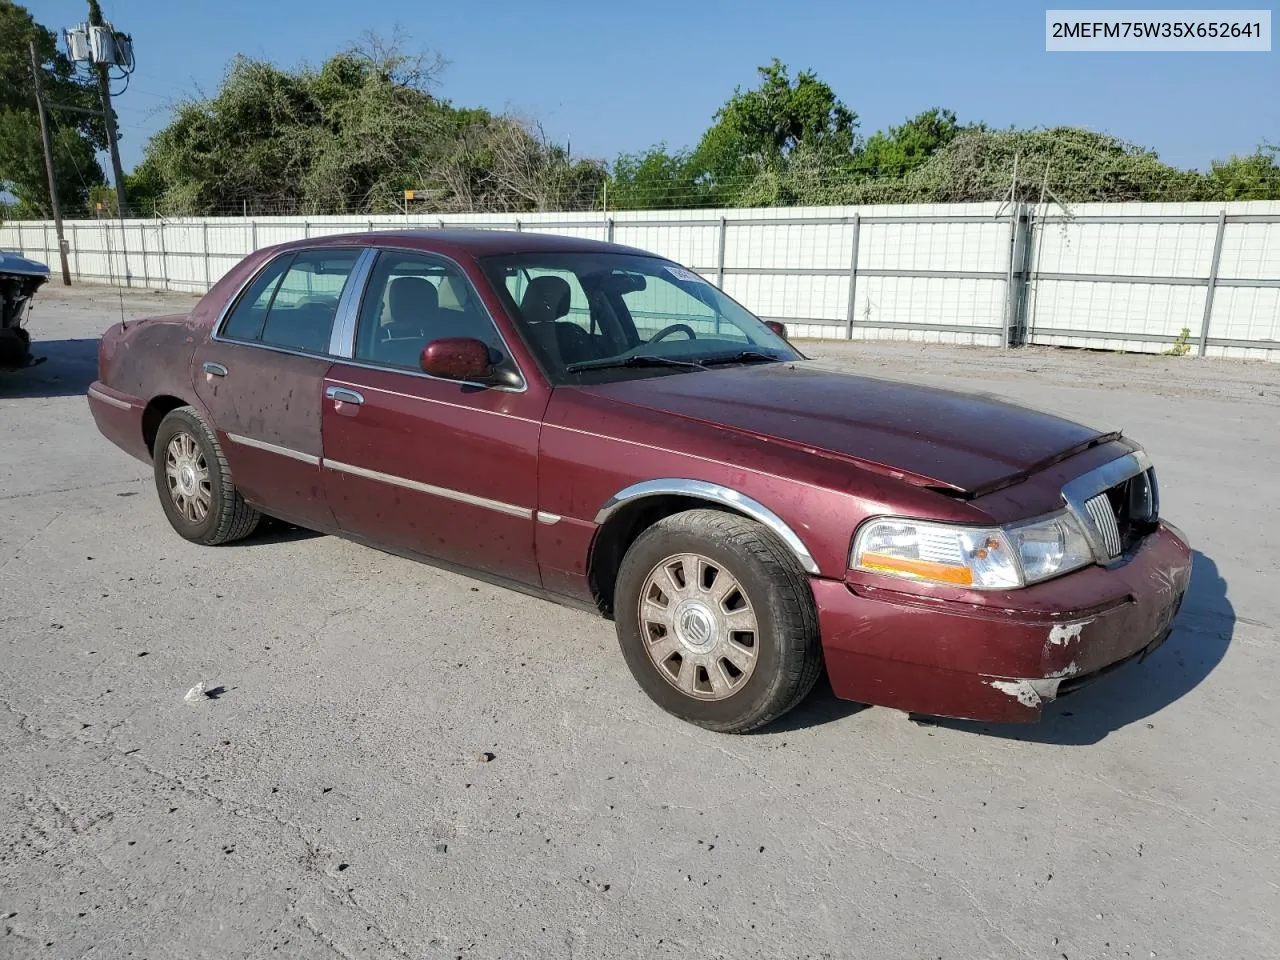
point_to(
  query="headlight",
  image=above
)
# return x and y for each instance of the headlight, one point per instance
(1049, 547)
(981, 558)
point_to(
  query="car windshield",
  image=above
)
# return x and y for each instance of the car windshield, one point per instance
(592, 317)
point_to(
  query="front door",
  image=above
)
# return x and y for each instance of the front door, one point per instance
(261, 377)
(431, 466)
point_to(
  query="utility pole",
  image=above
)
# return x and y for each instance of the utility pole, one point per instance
(48, 166)
(104, 86)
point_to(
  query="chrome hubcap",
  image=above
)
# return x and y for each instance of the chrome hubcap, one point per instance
(698, 626)
(187, 474)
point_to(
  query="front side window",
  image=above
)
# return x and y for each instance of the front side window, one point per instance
(604, 316)
(413, 299)
(293, 302)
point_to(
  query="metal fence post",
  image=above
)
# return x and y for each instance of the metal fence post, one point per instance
(1213, 281)
(164, 259)
(142, 241)
(106, 251)
(306, 229)
(1012, 293)
(253, 235)
(519, 228)
(75, 248)
(720, 242)
(124, 254)
(608, 235)
(204, 232)
(853, 278)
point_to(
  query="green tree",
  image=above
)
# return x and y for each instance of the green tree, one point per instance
(903, 148)
(654, 179)
(1072, 164)
(76, 137)
(352, 135)
(1252, 177)
(757, 131)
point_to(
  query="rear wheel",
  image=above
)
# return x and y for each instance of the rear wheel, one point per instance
(194, 482)
(716, 621)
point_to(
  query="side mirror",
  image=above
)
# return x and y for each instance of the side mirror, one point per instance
(464, 358)
(777, 327)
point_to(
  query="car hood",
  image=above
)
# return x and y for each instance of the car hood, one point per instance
(963, 444)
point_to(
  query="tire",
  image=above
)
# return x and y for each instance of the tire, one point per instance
(203, 504)
(730, 654)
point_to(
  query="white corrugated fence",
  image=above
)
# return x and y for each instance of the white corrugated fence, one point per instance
(1123, 276)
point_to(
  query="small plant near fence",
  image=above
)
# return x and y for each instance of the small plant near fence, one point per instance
(1182, 345)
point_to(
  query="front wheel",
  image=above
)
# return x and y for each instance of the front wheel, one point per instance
(716, 621)
(194, 482)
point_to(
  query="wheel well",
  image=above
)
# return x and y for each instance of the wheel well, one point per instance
(616, 535)
(157, 409)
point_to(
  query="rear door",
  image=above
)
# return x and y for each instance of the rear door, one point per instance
(436, 467)
(261, 377)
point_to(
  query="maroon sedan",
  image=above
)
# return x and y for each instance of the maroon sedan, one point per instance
(603, 427)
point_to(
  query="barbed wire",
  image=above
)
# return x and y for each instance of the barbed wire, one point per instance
(759, 191)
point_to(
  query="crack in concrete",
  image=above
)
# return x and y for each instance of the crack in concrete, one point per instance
(320, 935)
(1172, 808)
(49, 491)
(31, 539)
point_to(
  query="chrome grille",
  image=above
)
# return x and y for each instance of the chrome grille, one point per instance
(1116, 504)
(1103, 516)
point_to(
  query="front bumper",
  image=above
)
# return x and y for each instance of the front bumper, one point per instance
(1001, 659)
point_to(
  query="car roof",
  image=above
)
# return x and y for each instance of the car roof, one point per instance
(471, 243)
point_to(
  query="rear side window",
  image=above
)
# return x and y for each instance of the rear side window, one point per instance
(245, 321)
(293, 303)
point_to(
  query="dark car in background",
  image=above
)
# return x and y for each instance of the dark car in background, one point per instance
(600, 426)
(20, 278)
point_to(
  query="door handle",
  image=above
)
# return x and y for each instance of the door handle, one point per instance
(343, 395)
(214, 369)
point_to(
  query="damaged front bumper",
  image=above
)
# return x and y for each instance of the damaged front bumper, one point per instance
(20, 278)
(1003, 658)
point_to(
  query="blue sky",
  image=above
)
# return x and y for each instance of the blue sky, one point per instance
(619, 77)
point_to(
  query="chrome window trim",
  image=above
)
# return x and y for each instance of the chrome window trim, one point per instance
(1078, 492)
(274, 448)
(216, 335)
(446, 493)
(344, 320)
(714, 493)
(347, 355)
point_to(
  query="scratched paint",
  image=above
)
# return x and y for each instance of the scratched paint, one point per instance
(1063, 633)
(1022, 691)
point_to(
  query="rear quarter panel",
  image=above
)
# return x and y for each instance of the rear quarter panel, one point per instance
(141, 360)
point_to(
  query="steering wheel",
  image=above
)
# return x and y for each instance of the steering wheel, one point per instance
(674, 328)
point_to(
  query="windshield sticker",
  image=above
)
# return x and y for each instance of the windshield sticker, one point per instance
(680, 273)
